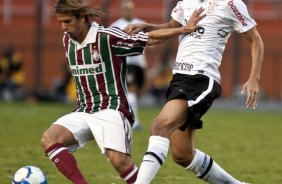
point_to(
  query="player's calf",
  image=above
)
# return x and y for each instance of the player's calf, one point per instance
(130, 174)
(124, 165)
(65, 163)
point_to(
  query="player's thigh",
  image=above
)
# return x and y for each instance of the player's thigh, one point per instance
(182, 146)
(111, 130)
(70, 130)
(171, 117)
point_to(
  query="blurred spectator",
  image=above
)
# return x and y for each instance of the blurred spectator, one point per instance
(160, 78)
(11, 74)
(64, 88)
(136, 64)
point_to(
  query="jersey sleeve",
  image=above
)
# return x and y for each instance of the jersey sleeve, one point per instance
(237, 14)
(178, 13)
(126, 45)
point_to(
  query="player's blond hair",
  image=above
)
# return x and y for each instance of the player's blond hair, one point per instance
(77, 8)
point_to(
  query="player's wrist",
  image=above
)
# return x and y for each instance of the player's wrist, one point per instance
(187, 30)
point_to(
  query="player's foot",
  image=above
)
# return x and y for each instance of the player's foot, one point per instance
(245, 183)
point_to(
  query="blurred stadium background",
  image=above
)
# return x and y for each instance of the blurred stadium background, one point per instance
(31, 27)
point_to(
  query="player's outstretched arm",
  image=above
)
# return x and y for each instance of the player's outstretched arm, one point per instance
(252, 84)
(159, 36)
(147, 27)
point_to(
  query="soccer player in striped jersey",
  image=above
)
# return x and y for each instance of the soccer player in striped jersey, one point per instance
(97, 59)
(196, 84)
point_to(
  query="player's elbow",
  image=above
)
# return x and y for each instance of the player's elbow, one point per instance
(154, 42)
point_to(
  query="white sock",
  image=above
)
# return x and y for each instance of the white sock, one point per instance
(133, 101)
(208, 170)
(153, 159)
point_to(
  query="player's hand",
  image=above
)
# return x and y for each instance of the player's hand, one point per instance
(252, 89)
(192, 23)
(133, 28)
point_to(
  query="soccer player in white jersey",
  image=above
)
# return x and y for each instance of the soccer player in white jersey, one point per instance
(97, 59)
(196, 84)
(135, 64)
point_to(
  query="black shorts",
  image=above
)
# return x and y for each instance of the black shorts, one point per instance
(135, 76)
(199, 91)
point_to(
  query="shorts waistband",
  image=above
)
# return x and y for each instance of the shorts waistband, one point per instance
(195, 72)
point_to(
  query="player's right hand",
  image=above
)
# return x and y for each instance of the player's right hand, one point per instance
(252, 89)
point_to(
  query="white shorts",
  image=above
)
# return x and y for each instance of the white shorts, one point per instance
(109, 128)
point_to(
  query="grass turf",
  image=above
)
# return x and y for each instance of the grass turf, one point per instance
(245, 143)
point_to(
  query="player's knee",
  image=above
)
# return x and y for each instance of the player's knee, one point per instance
(121, 162)
(46, 140)
(162, 127)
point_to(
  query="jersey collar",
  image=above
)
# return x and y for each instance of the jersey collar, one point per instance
(90, 37)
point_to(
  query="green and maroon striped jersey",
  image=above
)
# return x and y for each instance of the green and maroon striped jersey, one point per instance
(99, 68)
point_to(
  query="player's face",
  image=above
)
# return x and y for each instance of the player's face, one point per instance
(75, 27)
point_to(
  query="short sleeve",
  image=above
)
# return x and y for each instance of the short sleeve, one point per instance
(178, 13)
(124, 44)
(237, 14)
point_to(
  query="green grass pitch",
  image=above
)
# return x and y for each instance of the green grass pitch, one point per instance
(246, 143)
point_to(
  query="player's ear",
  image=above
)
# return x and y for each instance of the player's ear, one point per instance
(83, 19)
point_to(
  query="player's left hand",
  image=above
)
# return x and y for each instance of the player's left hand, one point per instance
(252, 89)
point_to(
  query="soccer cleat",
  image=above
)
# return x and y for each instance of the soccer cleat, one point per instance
(245, 183)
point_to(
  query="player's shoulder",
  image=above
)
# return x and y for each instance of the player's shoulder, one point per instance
(118, 22)
(105, 29)
(185, 3)
(235, 7)
(234, 3)
(112, 31)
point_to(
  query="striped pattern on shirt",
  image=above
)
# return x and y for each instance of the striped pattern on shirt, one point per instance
(99, 69)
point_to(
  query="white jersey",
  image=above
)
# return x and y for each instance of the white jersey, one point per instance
(201, 51)
(139, 60)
